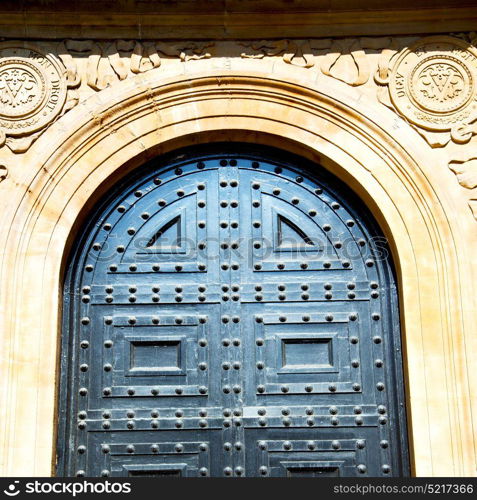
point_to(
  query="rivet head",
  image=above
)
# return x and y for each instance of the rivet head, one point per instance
(130, 448)
(384, 444)
(380, 386)
(155, 448)
(81, 449)
(261, 389)
(310, 421)
(262, 421)
(239, 471)
(262, 445)
(311, 445)
(105, 448)
(334, 420)
(359, 420)
(263, 470)
(360, 444)
(227, 446)
(386, 469)
(203, 471)
(381, 409)
(179, 448)
(361, 468)
(336, 445)
(332, 388)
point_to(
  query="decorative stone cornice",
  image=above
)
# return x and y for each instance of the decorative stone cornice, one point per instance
(430, 82)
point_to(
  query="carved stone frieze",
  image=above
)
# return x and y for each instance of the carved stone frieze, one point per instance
(431, 82)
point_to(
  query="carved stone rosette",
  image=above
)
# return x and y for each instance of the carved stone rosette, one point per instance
(33, 92)
(432, 84)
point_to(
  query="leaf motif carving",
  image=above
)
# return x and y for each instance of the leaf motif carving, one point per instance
(3, 172)
(466, 172)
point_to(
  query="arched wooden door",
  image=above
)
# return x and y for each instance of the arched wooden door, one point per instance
(231, 311)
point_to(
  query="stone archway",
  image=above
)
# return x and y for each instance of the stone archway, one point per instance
(69, 167)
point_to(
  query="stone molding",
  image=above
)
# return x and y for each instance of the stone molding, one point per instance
(430, 82)
(89, 65)
(56, 182)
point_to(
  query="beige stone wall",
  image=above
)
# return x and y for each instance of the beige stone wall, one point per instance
(395, 118)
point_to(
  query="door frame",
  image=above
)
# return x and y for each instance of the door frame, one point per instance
(70, 330)
(385, 162)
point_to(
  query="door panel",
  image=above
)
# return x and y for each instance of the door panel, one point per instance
(231, 314)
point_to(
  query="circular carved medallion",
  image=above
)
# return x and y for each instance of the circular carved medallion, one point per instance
(433, 82)
(32, 88)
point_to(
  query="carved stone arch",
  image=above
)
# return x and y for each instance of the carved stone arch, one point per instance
(372, 151)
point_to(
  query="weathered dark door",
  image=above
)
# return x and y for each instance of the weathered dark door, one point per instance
(231, 313)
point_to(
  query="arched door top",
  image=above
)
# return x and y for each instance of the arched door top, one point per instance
(232, 295)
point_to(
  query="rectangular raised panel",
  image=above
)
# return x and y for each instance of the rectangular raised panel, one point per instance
(155, 356)
(312, 469)
(162, 355)
(302, 354)
(166, 470)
